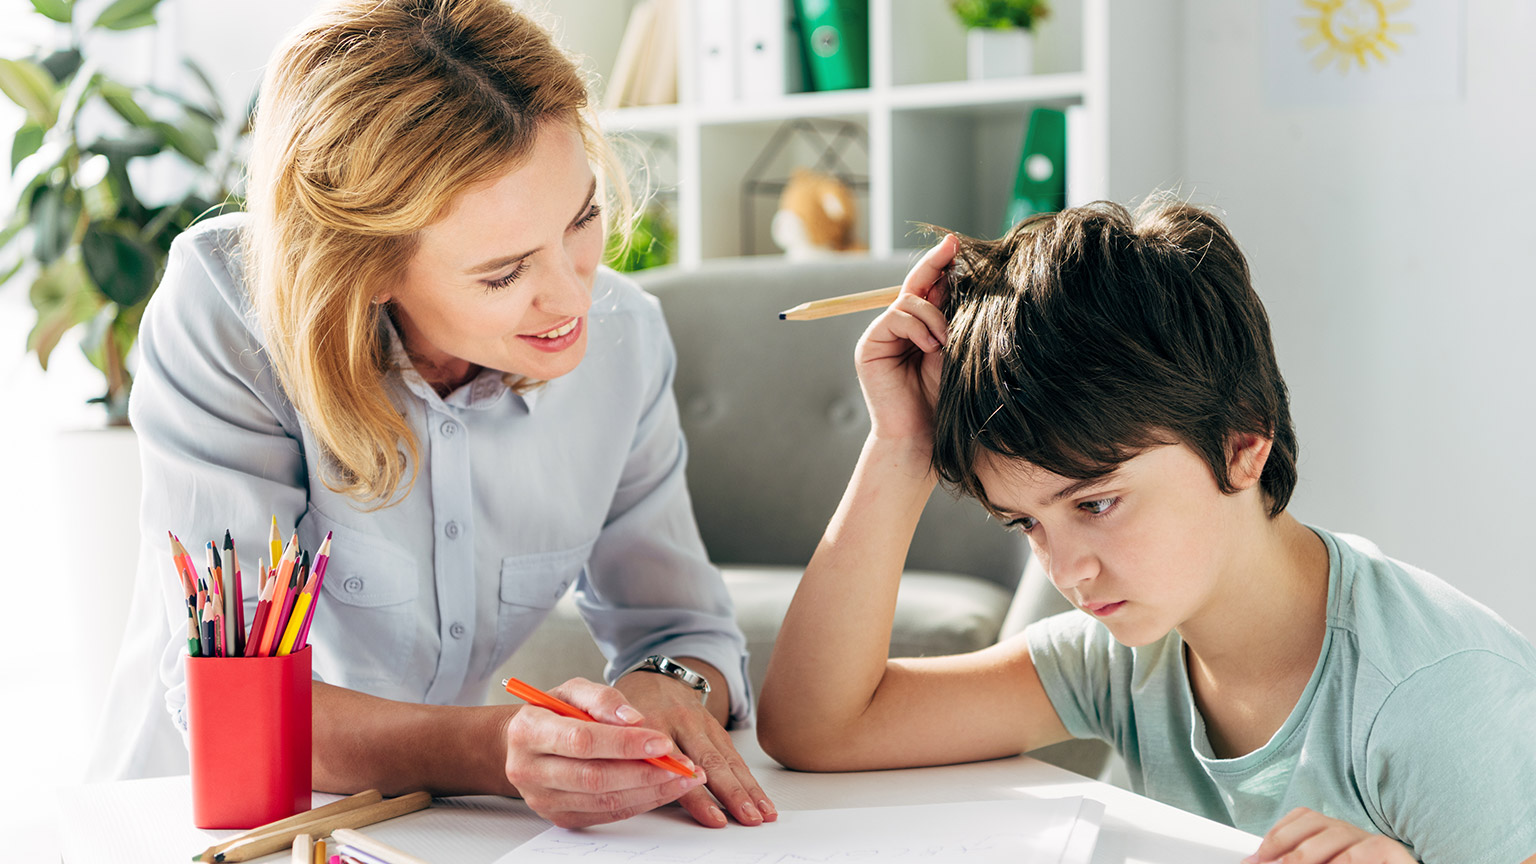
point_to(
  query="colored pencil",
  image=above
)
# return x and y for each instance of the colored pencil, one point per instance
(300, 823)
(843, 305)
(538, 698)
(297, 620)
(235, 612)
(276, 543)
(259, 620)
(357, 840)
(280, 599)
(322, 559)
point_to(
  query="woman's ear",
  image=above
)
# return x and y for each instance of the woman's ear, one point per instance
(1246, 456)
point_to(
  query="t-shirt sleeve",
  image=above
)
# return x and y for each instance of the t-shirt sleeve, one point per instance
(1450, 761)
(1074, 657)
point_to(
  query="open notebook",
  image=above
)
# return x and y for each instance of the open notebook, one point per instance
(1019, 831)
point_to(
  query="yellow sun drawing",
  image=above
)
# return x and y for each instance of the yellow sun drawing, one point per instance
(1345, 33)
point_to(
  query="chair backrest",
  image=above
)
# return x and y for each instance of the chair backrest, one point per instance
(775, 419)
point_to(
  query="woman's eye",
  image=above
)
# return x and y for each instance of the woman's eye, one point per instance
(1098, 507)
(497, 284)
(592, 213)
(1025, 524)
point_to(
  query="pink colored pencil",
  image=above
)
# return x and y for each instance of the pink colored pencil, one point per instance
(322, 558)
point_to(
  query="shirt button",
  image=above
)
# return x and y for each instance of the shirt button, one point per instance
(456, 631)
(449, 428)
(452, 530)
(353, 585)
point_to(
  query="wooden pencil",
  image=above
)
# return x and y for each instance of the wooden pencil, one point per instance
(376, 848)
(842, 305)
(351, 802)
(264, 841)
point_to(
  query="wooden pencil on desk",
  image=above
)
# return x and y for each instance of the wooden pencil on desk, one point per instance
(318, 823)
(843, 305)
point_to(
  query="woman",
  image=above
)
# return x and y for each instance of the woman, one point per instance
(408, 342)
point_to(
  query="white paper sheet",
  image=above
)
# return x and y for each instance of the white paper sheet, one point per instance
(1024, 831)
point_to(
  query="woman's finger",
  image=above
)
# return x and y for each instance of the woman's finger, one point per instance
(604, 703)
(580, 810)
(595, 776)
(539, 731)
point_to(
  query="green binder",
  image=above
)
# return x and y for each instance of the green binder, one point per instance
(1041, 184)
(834, 37)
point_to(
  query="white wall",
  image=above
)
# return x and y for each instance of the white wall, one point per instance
(1392, 245)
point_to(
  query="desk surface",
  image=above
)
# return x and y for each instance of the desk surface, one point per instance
(150, 820)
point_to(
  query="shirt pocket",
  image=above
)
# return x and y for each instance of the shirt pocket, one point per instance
(530, 587)
(368, 614)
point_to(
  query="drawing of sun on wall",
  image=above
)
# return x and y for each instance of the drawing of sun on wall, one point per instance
(1350, 34)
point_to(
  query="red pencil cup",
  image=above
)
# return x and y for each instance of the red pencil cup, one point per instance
(248, 720)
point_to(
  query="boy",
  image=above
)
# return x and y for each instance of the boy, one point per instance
(1107, 385)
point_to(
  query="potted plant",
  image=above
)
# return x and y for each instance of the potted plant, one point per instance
(999, 35)
(91, 244)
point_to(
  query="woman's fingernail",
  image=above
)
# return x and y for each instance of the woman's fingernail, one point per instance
(628, 714)
(715, 815)
(751, 812)
(657, 746)
(767, 808)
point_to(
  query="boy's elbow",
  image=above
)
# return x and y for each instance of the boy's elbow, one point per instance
(795, 743)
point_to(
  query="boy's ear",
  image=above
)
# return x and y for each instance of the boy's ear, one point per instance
(1246, 455)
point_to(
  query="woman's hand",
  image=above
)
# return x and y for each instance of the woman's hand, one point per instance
(898, 358)
(674, 708)
(1306, 837)
(575, 773)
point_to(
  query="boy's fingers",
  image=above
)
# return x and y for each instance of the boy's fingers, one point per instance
(931, 267)
(926, 312)
(1287, 834)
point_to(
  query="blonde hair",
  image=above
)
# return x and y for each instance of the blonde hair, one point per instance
(373, 116)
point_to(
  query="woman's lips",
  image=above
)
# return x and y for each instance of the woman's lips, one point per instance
(556, 343)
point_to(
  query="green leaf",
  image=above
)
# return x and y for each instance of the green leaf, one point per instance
(127, 14)
(121, 266)
(28, 138)
(133, 144)
(64, 299)
(63, 63)
(61, 11)
(120, 97)
(214, 106)
(30, 86)
(54, 215)
(194, 138)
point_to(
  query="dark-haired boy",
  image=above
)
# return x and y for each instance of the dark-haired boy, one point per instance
(1107, 385)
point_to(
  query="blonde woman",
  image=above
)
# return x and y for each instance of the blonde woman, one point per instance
(408, 341)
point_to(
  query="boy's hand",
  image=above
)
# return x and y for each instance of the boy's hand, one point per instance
(1307, 837)
(899, 356)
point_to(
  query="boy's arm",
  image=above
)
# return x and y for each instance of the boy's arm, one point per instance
(831, 700)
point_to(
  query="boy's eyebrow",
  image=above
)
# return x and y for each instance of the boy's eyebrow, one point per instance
(1080, 485)
(498, 263)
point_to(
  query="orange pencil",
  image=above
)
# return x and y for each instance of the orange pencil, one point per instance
(280, 598)
(538, 698)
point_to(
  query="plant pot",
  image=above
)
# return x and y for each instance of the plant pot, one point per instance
(994, 53)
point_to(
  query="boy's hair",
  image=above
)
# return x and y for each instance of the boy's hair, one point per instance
(1084, 337)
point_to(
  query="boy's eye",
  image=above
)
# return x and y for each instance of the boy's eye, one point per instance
(1023, 523)
(1098, 506)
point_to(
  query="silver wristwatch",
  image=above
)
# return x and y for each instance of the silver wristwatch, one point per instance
(664, 665)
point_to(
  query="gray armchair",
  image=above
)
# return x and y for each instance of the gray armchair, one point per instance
(774, 421)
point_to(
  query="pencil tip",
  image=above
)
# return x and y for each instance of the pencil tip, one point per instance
(782, 316)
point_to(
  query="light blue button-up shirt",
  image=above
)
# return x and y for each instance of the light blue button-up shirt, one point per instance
(516, 498)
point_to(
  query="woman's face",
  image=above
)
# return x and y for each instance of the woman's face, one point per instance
(504, 280)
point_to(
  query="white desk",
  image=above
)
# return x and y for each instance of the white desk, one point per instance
(150, 821)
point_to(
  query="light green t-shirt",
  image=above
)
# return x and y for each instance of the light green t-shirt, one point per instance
(1419, 721)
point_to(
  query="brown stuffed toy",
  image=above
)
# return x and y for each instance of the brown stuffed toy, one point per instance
(816, 216)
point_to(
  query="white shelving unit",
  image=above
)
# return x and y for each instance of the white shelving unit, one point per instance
(940, 148)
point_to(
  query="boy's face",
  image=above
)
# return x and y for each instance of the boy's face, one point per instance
(1141, 549)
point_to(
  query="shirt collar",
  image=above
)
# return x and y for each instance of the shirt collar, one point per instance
(479, 393)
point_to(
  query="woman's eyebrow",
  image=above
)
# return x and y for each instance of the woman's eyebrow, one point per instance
(508, 260)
